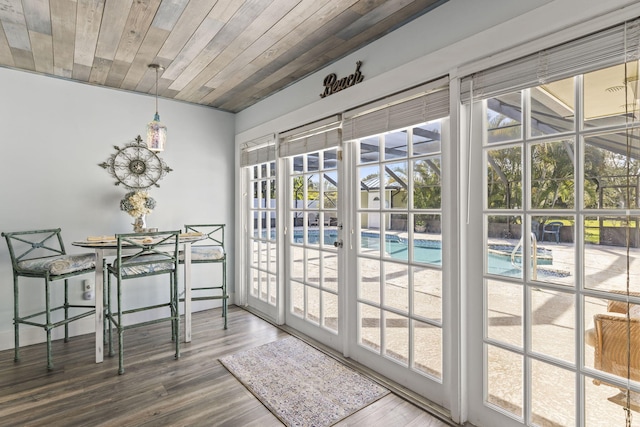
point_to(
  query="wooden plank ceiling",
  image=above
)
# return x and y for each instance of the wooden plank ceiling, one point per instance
(227, 54)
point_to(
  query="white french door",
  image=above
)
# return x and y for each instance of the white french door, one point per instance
(311, 163)
(313, 245)
(396, 297)
(259, 252)
(262, 238)
(554, 185)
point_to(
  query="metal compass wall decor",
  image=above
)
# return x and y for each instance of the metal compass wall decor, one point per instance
(135, 166)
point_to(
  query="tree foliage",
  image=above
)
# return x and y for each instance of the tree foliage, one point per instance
(610, 173)
(427, 188)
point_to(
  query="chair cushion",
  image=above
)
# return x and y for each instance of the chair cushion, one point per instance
(590, 337)
(151, 267)
(204, 253)
(62, 264)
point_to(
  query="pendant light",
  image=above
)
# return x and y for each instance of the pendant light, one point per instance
(156, 131)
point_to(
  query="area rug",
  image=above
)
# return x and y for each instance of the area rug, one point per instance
(301, 385)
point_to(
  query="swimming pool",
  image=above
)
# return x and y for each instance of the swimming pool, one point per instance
(499, 257)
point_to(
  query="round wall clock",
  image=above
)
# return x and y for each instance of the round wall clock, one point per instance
(135, 166)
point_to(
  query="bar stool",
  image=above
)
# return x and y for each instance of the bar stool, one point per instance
(41, 254)
(210, 250)
(147, 254)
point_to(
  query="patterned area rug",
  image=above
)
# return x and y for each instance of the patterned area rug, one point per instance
(301, 385)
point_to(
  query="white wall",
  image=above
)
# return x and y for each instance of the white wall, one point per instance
(54, 133)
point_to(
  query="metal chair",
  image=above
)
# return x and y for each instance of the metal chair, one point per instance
(552, 228)
(210, 250)
(41, 254)
(147, 254)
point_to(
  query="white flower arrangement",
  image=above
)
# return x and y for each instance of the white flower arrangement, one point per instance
(137, 203)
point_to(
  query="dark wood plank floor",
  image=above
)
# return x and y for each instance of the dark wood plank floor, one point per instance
(156, 389)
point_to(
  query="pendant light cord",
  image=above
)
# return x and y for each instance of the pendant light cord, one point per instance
(157, 90)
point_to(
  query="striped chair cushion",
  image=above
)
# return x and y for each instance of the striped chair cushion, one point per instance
(204, 253)
(151, 267)
(61, 264)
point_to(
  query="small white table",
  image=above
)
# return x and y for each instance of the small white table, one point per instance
(108, 247)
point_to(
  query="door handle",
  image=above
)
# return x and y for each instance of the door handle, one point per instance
(338, 243)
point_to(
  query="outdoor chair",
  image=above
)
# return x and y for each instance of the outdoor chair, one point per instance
(147, 254)
(610, 336)
(552, 228)
(210, 250)
(41, 254)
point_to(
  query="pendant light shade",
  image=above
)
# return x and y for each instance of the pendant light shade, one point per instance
(156, 131)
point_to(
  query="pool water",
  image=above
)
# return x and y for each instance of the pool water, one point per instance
(430, 251)
(426, 251)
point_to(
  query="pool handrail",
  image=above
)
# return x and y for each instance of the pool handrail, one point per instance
(534, 243)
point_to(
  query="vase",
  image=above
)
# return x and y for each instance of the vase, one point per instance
(140, 224)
